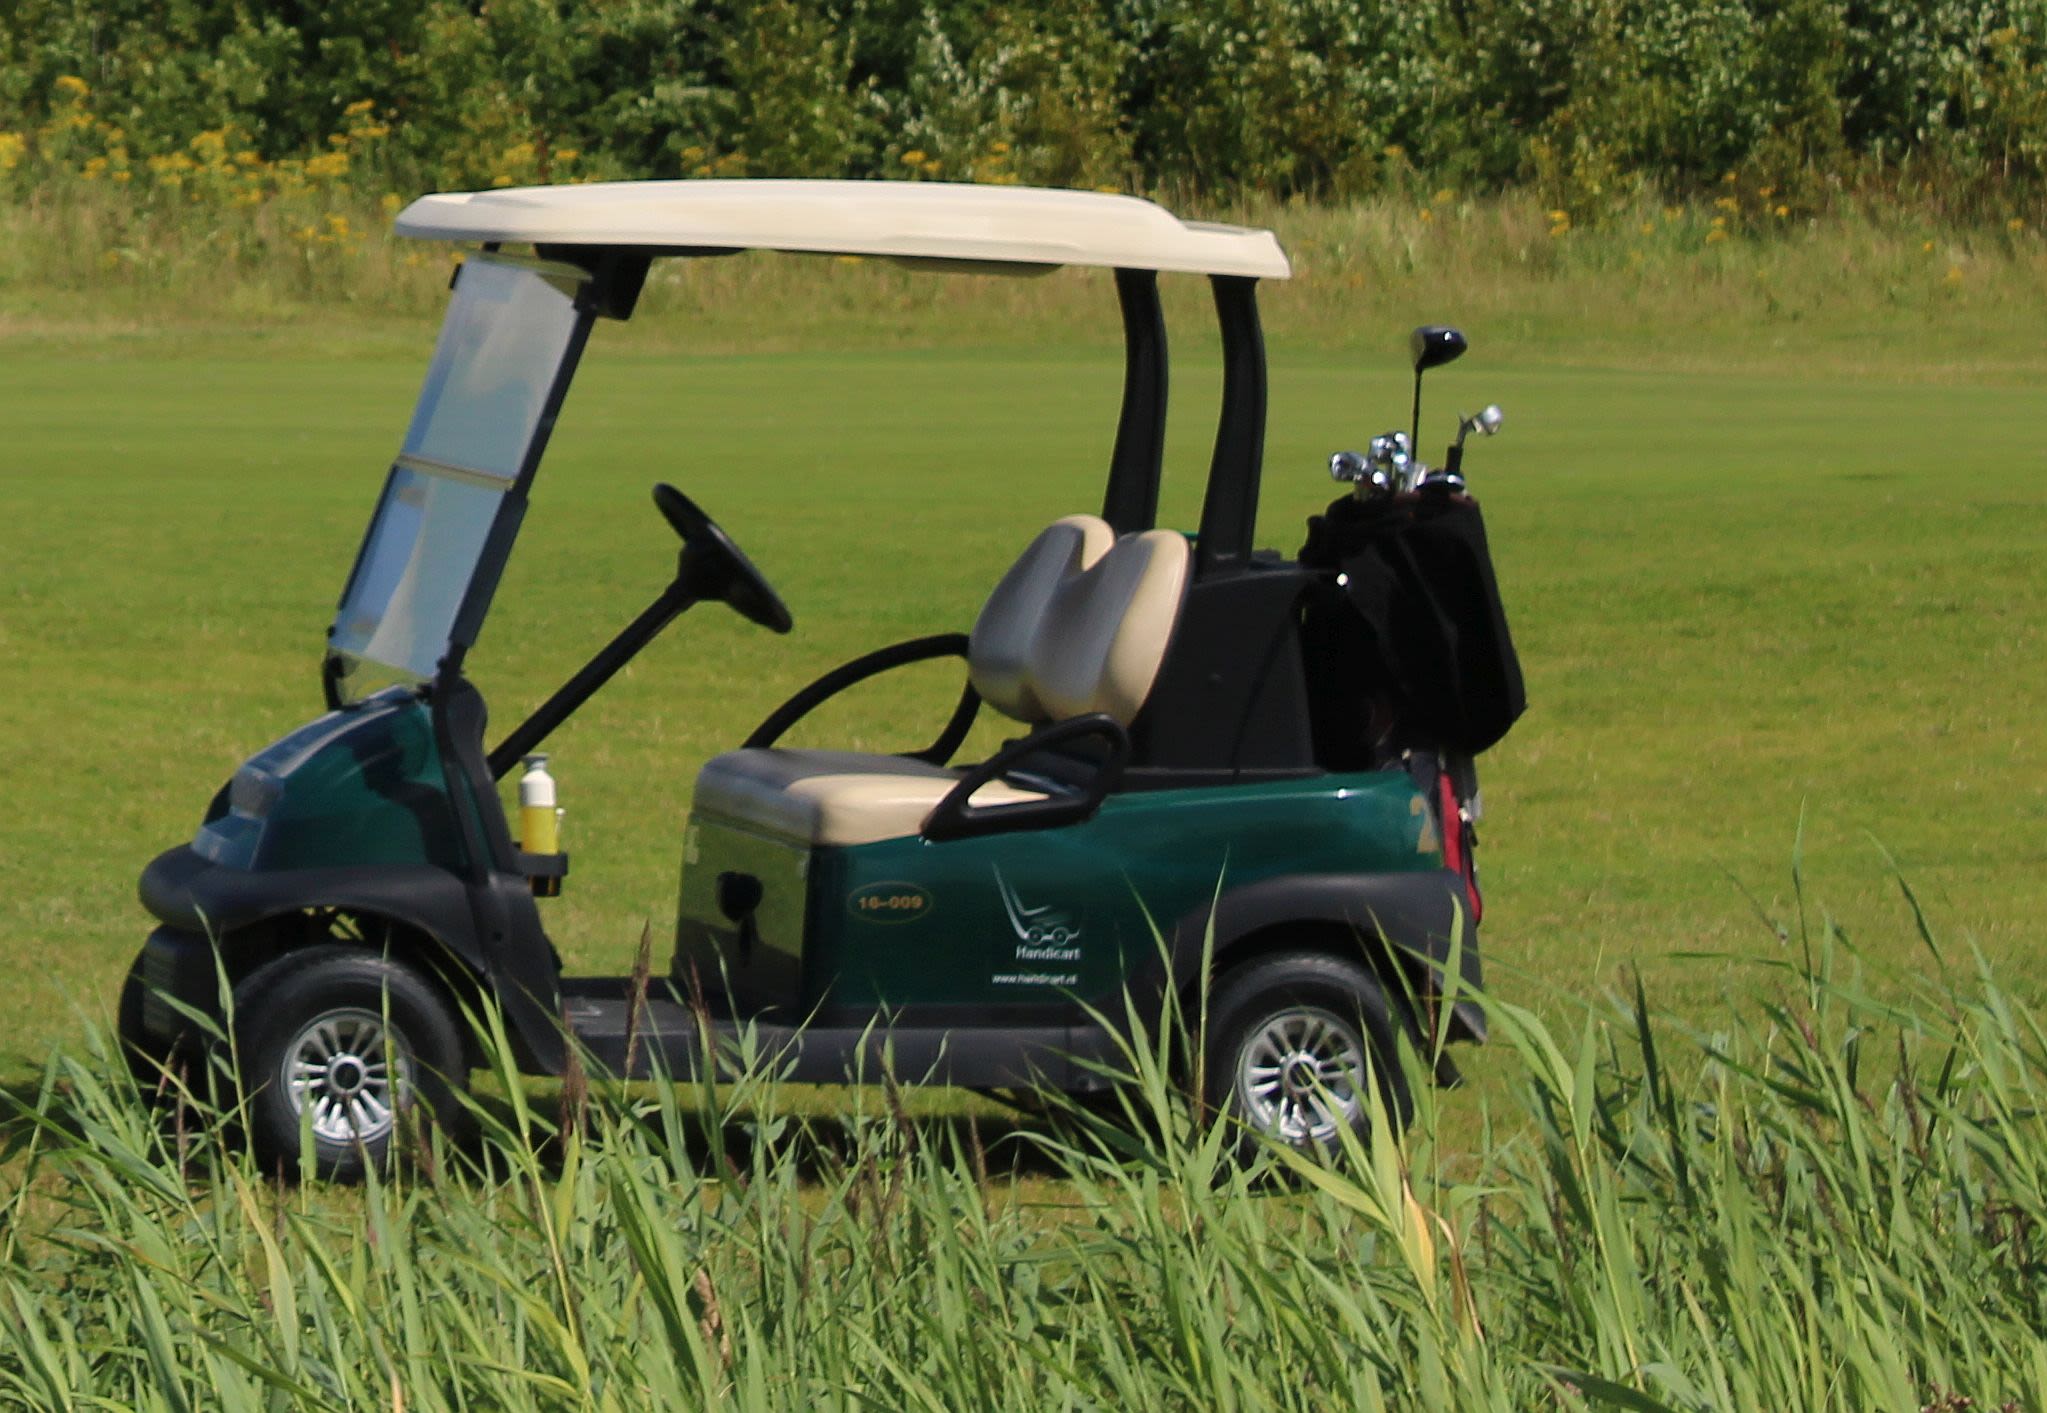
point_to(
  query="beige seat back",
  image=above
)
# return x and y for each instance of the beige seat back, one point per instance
(1080, 623)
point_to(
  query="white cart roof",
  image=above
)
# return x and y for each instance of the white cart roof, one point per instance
(940, 221)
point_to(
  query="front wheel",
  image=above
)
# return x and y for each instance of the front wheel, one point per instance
(149, 1058)
(340, 1046)
(1295, 1039)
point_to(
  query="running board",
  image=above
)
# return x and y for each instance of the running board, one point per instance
(665, 1040)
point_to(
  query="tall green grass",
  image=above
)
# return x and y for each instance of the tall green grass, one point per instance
(1831, 1198)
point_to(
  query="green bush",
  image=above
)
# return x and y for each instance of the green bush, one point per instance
(1596, 102)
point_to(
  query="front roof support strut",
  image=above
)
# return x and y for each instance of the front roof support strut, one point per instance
(1229, 511)
(1132, 500)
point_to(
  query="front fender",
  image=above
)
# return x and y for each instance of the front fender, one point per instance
(191, 895)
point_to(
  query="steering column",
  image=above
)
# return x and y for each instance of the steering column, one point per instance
(709, 568)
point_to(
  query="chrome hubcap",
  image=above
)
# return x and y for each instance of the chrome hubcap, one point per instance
(1299, 1076)
(350, 1073)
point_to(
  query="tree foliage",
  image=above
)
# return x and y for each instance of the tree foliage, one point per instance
(1594, 100)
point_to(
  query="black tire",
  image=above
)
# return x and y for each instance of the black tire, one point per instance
(1289, 1036)
(150, 1058)
(375, 1049)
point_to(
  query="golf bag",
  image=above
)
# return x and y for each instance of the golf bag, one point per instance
(1407, 644)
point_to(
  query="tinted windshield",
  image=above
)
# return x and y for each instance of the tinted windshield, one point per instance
(509, 329)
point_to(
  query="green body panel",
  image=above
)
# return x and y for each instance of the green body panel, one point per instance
(361, 786)
(1024, 919)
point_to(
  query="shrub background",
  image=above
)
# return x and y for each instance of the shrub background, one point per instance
(1593, 102)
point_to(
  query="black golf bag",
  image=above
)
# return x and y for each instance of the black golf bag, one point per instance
(1407, 643)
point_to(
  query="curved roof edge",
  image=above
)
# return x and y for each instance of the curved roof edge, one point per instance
(940, 221)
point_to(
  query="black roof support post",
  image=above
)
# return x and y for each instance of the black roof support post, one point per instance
(1229, 511)
(1132, 500)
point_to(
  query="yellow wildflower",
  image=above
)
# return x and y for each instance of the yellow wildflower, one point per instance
(1727, 203)
(358, 108)
(1648, 228)
(2015, 224)
(567, 154)
(1715, 235)
(390, 202)
(72, 86)
(914, 157)
(1782, 212)
(12, 146)
(1954, 274)
(1444, 197)
(1927, 248)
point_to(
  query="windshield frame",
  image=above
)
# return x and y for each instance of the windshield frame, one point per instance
(352, 667)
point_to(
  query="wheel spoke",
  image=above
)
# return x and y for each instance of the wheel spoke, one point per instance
(373, 1105)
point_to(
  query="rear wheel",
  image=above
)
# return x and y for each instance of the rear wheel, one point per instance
(344, 1047)
(1295, 1041)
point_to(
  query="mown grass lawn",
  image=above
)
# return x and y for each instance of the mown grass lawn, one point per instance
(1744, 598)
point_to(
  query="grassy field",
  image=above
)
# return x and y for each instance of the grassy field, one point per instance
(1745, 598)
(1770, 547)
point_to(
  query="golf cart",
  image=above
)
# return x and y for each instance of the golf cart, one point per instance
(1218, 752)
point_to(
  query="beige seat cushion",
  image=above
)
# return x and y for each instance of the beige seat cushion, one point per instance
(832, 797)
(1004, 647)
(1070, 631)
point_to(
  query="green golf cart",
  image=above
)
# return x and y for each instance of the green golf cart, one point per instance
(1217, 752)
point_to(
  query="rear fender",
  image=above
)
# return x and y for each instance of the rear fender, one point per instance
(1408, 924)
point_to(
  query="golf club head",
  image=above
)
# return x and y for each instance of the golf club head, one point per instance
(1433, 345)
(1486, 421)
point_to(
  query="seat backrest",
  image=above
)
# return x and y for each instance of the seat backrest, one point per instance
(1080, 623)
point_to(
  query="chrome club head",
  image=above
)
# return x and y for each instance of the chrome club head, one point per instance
(1372, 472)
(1486, 421)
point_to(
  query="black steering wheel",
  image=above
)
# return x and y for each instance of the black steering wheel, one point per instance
(712, 567)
